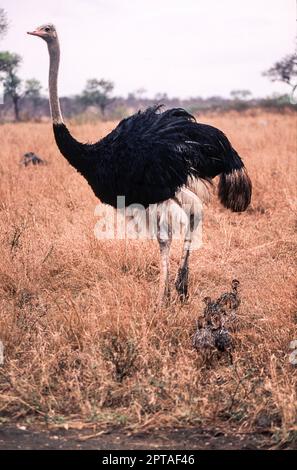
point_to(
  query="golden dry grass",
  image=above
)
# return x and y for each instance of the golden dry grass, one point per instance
(81, 338)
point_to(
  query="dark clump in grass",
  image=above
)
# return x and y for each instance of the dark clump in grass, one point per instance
(121, 352)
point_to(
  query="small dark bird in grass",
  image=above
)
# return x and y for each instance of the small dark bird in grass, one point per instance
(212, 335)
(203, 338)
(213, 312)
(31, 158)
(231, 299)
(223, 339)
(219, 316)
(229, 302)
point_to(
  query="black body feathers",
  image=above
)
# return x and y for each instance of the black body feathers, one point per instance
(151, 154)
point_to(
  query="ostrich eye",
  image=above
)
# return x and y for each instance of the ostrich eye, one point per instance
(47, 29)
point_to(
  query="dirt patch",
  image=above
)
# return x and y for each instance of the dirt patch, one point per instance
(188, 438)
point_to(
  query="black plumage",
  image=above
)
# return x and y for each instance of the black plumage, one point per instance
(151, 154)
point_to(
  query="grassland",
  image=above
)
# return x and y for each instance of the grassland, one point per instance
(82, 340)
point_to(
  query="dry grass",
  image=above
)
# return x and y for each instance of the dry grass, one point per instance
(82, 340)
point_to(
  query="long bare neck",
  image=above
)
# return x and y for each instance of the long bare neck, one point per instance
(77, 154)
(54, 53)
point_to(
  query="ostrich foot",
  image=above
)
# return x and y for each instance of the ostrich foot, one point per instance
(181, 283)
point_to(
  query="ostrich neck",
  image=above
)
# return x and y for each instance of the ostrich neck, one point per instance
(79, 155)
(54, 53)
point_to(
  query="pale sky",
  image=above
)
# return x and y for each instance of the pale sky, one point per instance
(181, 47)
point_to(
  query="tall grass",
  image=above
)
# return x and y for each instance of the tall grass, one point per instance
(77, 319)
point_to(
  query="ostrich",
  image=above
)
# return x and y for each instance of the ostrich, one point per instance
(230, 302)
(153, 157)
(219, 318)
(224, 309)
(31, 158)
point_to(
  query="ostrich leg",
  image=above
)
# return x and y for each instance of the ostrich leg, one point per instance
(182, 278)
(164, 240)
(187, 199)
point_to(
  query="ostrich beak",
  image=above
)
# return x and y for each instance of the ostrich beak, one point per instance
(34, 33)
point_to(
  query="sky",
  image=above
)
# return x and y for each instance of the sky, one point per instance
(180, 47)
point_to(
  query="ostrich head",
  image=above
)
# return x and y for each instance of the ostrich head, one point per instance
(207, 300)
(47, 32)
(235, 285)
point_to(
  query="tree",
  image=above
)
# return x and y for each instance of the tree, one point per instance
(32, 90)
(3, 23)
(240, 95)
(9, 64)
(285, 70)
(9, 61)
(140, 93)
(161, 97)
(97, 93)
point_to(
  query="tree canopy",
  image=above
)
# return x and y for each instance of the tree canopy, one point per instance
(9, 63)
(97, 93)
(3, 23)
(285, 70)
(33, 88)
